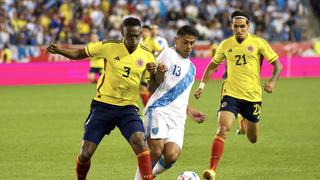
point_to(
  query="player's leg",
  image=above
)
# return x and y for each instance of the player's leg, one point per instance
(170, 155)
(144, 93)
(252, 130)
(132, 129)
(251, 113)
(225, 120)
(97, 125)
(83, 160)
(228, 110)
(91, 77)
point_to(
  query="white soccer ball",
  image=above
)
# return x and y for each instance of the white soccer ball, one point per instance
(188, 175)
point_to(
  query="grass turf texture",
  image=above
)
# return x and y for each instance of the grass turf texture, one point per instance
(41, 131)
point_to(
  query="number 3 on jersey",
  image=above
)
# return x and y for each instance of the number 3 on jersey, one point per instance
(176, 70)
(126, 71)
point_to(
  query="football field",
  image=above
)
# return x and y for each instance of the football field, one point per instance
(41, 130)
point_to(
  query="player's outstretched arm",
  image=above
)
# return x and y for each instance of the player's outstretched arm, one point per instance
(196, 115)
(69, 53)
(277, 68)
(206, 76)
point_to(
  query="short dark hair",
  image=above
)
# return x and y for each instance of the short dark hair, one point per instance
(241, 13)
(187, 30)
(146, 27)
(131, 21)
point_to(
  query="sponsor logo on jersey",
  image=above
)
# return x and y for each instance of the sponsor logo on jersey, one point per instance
(140, 62)
(250, 48)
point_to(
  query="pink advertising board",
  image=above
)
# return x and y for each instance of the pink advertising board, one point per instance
(76, 71)
(44, 73)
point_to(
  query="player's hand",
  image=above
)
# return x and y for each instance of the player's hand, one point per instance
(162, 68)
(52, 48)
(151, 67)
(197, 116)
(197, 93)
(268, 87)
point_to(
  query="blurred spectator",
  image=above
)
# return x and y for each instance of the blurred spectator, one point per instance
(316, 46)
(5, 54)
(148, 42)
(96, 64)
(163, 43)
(72, 21)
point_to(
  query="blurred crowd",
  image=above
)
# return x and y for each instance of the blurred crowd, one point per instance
(38, 22)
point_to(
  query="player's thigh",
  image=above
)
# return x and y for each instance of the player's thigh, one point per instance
(129, 123)
(99, 122)
(155, 124)
(225, 121)
(228, 111)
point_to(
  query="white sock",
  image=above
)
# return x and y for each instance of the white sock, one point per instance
(160, 167)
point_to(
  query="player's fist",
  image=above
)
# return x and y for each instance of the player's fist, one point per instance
(162, 68)
(151, 67)
(52, 48)
(197, 93)
(268, 87)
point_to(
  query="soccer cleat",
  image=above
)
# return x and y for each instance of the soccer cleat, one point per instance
(209, 174)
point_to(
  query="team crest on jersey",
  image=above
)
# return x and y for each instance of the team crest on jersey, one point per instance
(224, 104)
(250, 48)
(155, 130)
(140, 62)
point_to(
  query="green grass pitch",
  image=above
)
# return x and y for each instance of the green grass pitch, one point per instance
(41, 131)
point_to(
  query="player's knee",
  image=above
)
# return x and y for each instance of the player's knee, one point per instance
(137, 140)
(155, 154)
(171, 157)
(223, 131)
(85, 156)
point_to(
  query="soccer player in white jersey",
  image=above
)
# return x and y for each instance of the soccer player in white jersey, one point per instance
(167, 108)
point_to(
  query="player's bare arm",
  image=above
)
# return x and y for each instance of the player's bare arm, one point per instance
(69, 53)
(206, 76)
(196, 115)
(277, 68)
(157, 75)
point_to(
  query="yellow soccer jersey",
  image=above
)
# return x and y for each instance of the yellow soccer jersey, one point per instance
(96, 62)
(151, 44)
(243, 81)
(119, 85)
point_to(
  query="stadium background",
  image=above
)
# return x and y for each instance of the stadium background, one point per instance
(41, 119)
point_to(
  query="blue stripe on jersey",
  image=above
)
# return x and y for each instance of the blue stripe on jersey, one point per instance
(171, 95)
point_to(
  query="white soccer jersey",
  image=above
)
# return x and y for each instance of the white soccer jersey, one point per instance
(163, 43)
(165, 112)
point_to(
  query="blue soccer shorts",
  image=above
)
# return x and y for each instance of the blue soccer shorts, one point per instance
(249, 110)
(103, 118)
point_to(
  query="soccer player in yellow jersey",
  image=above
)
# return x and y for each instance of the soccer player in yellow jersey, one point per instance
(155, 48)
(241, 91)
(96, 63)
(115, 103)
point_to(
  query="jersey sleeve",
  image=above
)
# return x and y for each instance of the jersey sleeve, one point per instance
(164, 58)
(219, 55)
(267, 51)
(95, 49)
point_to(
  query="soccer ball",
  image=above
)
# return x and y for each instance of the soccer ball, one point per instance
(188, 175)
